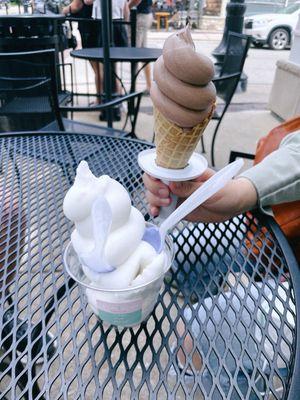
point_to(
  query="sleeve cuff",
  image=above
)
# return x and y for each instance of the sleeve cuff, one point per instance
(252, 177)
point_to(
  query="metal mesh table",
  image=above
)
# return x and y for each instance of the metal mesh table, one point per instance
(119, 54)
(230, 291)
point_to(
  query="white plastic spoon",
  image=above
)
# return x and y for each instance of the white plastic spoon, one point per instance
(101, 218)
(155, 235)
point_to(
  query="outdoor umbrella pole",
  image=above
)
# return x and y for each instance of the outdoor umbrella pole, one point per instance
(110, 23)
(106, 29)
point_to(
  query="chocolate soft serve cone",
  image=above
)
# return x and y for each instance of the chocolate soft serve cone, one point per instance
(183, 97)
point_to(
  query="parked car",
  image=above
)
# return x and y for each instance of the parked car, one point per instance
(273, 29)
(257, 7)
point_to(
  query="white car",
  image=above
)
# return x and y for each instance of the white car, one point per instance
(273, 29)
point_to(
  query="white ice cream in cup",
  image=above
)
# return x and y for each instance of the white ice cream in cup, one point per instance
(109, 254)
(120, 307)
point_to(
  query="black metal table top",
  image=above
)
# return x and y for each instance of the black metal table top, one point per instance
(230, 291)
(122, 54)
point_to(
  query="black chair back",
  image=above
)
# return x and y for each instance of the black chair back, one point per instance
(228, 79)
(236, 53)
(30, 33)
(28, 90)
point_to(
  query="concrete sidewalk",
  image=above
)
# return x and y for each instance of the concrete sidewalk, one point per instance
(196, 33)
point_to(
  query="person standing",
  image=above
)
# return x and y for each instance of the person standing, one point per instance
(120, 11)
(143, 24)
(90, 33)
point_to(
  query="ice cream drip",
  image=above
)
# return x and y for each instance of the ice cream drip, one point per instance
(108, 232)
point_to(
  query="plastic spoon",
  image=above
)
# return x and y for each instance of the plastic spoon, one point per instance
(155, 235)
(101, 217)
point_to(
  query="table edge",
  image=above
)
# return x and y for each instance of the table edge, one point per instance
(74, 54)
(64, 133)
(292, 264)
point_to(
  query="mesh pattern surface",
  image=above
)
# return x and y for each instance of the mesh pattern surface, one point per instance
(229, 292)
(175, 145)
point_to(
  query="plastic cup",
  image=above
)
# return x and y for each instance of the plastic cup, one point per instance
(120, 307)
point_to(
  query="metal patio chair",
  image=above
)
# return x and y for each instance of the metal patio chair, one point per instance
(227, 80)
(29, 95)
(37, 32)
(28, 90)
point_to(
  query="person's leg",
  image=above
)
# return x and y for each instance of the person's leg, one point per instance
(120, 40)
(139, 30)
(118, 86)
(91, 38)
(147, 72)
(149, 21)
(144, 23)
(97, 68)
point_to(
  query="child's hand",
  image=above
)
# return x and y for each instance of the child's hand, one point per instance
(238, 196)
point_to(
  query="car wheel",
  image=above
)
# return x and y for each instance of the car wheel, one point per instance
(279, 39)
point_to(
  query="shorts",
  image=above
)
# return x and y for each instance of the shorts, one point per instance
(92, 37)
(90, 33)
(120, 35)
(143, 24)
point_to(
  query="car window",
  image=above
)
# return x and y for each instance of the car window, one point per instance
(289, 9)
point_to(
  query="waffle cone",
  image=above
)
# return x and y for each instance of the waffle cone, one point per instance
(175, 145)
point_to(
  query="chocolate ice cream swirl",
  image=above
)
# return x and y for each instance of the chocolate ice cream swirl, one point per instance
(182, 89)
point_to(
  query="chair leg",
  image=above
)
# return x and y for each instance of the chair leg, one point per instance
(213, 143)
(136, 111)
(60, 123)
